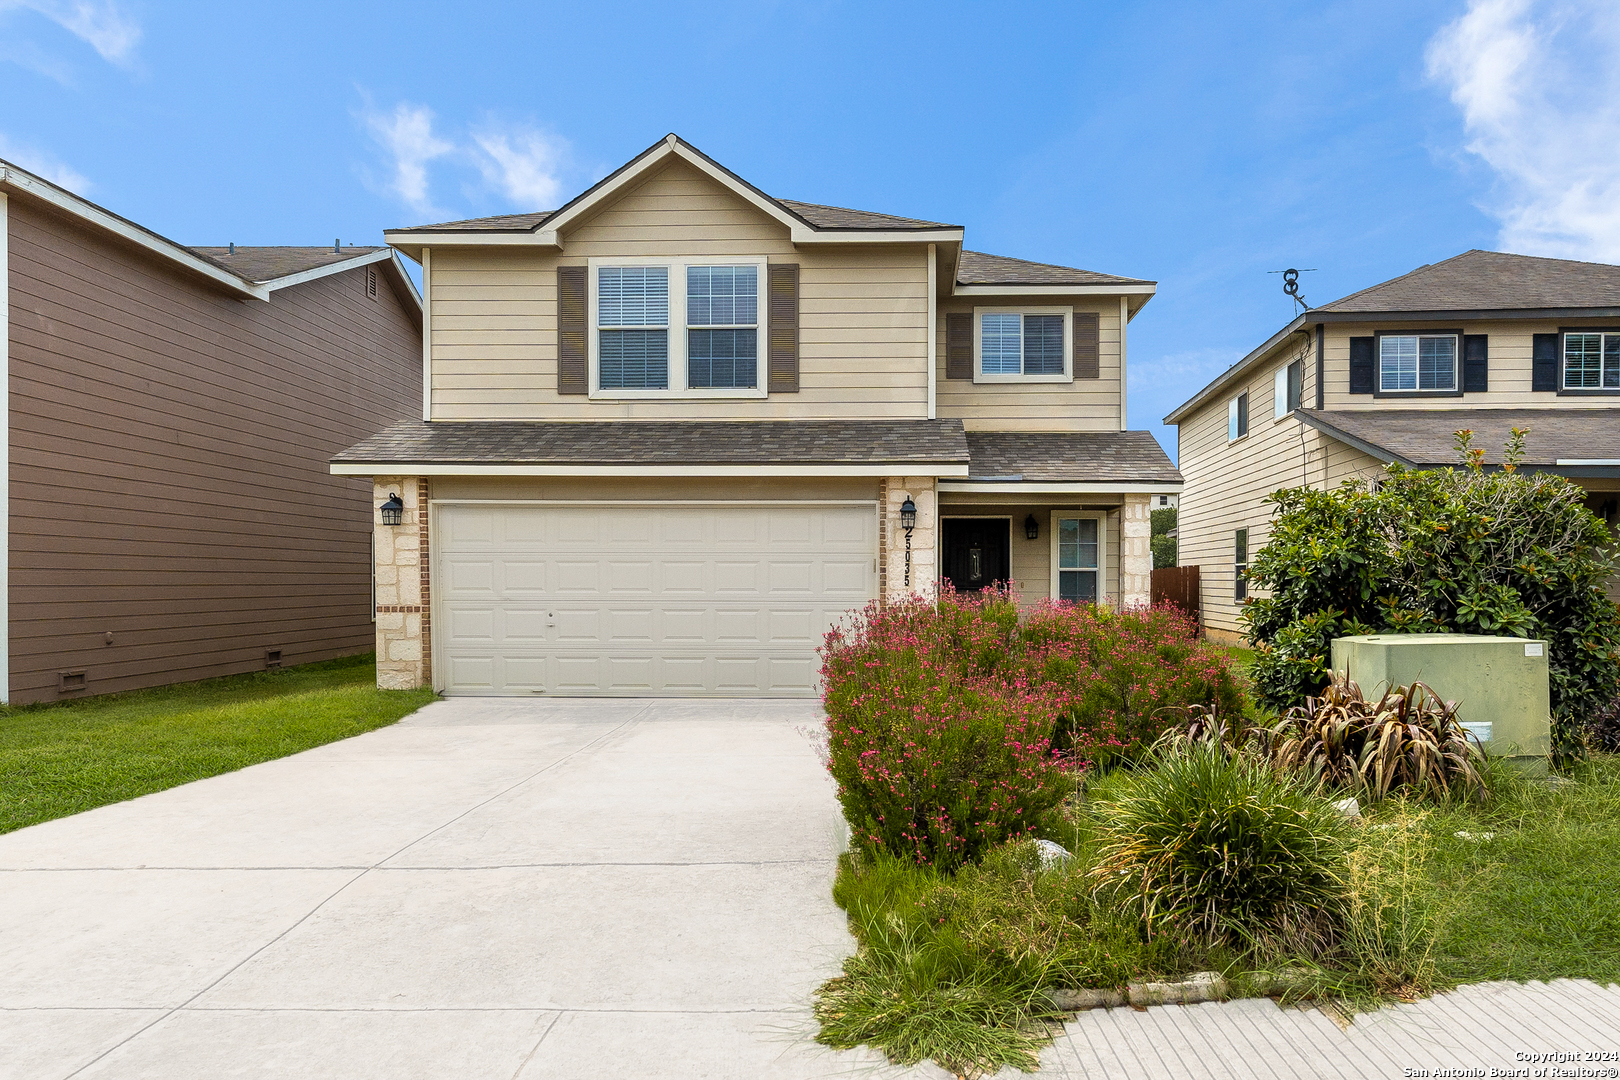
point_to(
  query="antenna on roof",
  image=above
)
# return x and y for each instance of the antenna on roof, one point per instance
(1291, 284)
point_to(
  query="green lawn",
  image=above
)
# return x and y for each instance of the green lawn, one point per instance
(60, 759)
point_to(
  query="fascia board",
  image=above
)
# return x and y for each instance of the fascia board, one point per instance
(404, 240)
(1004, 490)
(318, 272)
(407, 468)
(804, 235)
(410, 286)
(1463, 315)
(1055, 290)
(127, 230)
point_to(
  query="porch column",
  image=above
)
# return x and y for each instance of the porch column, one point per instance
(924, 571)
(1136, 551)
(402, 594)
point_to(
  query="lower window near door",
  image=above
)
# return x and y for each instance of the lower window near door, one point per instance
(1078, 557)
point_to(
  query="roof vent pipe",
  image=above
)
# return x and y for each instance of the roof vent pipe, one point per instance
(337, 247)
(233, 247)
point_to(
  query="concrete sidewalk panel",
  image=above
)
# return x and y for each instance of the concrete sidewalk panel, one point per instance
(48, 1044)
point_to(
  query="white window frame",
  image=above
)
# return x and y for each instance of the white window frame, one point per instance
(1563, 360)
(978, 345)
(678, 387)
(1101, 518)
(1456, 363)
(1232, 432)
(1279, 390)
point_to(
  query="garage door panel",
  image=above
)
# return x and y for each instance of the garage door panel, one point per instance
(646, 600)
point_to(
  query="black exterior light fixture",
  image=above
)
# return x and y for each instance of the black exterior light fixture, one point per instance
(392, 511)
(908, 522)
(1032, 528)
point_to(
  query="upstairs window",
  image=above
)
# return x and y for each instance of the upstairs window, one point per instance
(1290, 382)
(1237, 417)
(1023, 344)
(722, 326)
(632, 318)
(1591, 361)
(1417, 362)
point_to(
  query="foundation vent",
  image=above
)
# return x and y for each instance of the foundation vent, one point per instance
(69, 681)
(272, 659)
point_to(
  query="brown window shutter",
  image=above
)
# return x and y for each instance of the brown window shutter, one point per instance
(782, 347)
(573, 370)
(959, 345)
(1086, 364)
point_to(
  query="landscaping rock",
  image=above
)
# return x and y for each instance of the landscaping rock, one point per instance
(1268, 983)
(1204, 986)
(1080, 1000)
(1349, 808)
(1053, 856)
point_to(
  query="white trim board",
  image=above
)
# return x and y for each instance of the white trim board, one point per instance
(652, 502)
(1015, 490)
(5, 449)
(427, 333)
(1054, 290)
(397, 468)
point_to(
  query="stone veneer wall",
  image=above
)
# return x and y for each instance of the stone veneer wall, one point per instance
(403, 621)
(1136, 551)
(892, 543)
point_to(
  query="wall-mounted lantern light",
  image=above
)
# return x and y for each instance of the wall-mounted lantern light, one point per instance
(1032, 528)
(908, 522)
(393, 511)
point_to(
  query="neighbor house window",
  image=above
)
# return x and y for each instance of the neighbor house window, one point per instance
(665, 327)
(1417, 362)
(1240, 575)
(1077, 564)
(1290, 381)
(1591, 361)
(1237, 417)
(1032, 343)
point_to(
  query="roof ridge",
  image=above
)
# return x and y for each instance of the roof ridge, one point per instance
(1398, 277)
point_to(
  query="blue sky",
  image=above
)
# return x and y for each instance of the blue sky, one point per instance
(1199, 144)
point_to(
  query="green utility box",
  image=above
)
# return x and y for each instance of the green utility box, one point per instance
(1498, 683)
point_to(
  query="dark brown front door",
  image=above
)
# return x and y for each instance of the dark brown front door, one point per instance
(976, 552)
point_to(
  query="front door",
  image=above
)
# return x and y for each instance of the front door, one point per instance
(976, 552)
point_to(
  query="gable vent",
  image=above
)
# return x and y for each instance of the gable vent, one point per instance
(371, 282)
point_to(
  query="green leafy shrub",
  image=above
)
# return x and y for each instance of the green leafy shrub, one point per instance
(1160, 543)
(1462, 551)
(1218, 846)
(1408, 740)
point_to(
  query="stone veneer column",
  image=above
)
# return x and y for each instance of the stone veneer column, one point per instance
(924, 572)
(1136, 551)
(402, 630)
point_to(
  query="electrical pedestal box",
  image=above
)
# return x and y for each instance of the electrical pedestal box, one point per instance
(1498, 683)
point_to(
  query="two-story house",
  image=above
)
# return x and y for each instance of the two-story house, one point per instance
(1484, 341)
(674, 430)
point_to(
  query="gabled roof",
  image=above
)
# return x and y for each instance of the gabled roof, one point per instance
(257, 275)
(1474, 285)
(1574, 441)
(977, 268)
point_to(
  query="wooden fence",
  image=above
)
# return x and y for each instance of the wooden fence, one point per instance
(1179, 585)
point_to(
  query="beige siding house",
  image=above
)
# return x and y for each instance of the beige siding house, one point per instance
(675, 429)
(1484, 341)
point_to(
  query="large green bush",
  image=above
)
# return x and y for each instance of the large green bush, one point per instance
(1461, 550)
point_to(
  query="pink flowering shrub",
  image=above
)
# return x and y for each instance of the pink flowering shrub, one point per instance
(954, 728)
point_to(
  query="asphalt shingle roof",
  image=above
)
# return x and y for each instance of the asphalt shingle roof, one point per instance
(838, 217)
(1427, 436)
(977, 268)
(1489, 281)
(258, 264)
(1070, 457)
(620, 442)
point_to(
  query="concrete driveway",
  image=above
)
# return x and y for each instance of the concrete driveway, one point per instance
(491, 888)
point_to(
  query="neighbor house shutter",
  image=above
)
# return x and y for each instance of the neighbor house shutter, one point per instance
(783, 346)
(573, 370)
(1085, 345)
(1361, 365)
(1476, 363)
(959, 345)
(1544, 362)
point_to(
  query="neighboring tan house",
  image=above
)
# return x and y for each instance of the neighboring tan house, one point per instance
(170, 413)
(1484, 341)
(671, 432)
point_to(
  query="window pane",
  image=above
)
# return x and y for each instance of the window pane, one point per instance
(632, 296)
(1296, 384)
(1077, 586)
(1437, 363)
(999, 348)
(722, 295)
(1397, 362)
(722, 358)
(1043, 344)
(1077, 543)
(1611, 361)
(634, 359)
(1583, 361)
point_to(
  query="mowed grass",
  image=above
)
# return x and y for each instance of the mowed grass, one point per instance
(64, 758)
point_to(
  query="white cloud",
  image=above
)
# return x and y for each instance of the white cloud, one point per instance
(523, 165)
(407, 135)
(100, 23)
(1538, 84)
(42, 164)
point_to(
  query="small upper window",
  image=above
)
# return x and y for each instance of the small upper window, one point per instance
(1290, 381)
(1023, 344)
(1417, 362)
(632, 317)
(1591, 361)
(722, 326)
(1237, 417)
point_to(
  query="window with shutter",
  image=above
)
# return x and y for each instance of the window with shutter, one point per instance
(1417, 363)
(1591, 361)
(1023, 345)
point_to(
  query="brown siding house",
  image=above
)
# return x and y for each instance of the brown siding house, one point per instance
(169, 415)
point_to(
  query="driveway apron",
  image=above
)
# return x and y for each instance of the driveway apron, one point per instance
(490, 888)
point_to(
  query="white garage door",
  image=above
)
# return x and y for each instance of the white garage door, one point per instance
(644, 599)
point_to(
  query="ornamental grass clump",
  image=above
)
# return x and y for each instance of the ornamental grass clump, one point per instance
(1214, 845)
